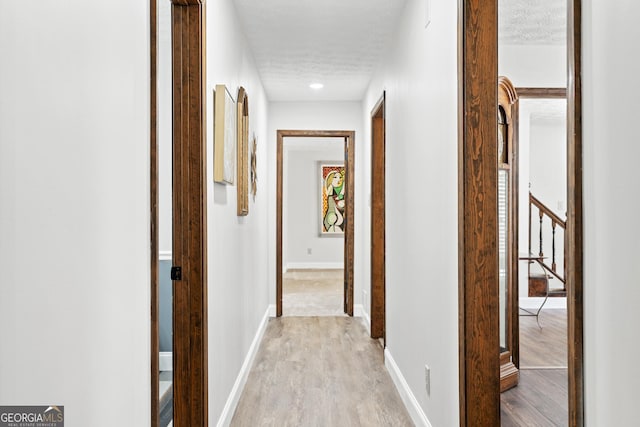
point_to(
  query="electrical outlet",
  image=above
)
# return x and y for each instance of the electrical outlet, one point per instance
(427, 379)
(308, 251)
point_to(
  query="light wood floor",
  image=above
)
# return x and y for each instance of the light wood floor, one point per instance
(313, 293)
(319, 371)
(540, 399)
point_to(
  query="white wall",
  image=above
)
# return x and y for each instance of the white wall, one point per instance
(548, 177)
(533, 66)
(316, 116)
(420, 79)
(74, 216)
(548, 162)
(611, 203)
(301, 207)
(165, 128)
(237, 245)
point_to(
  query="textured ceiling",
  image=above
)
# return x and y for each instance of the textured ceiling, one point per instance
(532, 22)
(335, 42)
(340, 42)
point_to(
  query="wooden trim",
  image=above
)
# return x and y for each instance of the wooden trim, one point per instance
(153, 202)
(242, 113)
(187, 2)
(573, 234)
(478, 255)
(349, 137)
(279, 193)
(548, 212)
(349, 235)
(189, 216)
(378, 244)
(541, 92)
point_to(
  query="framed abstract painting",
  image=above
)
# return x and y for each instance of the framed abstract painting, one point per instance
(225, 135)
(332, 199)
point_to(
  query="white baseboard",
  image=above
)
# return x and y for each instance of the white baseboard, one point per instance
(272, 310)
(408, 398)
(165, 362)
(165, 256)
(313, 266)
(241, 380)
(534, 303)
(366, 320)
(358, 310)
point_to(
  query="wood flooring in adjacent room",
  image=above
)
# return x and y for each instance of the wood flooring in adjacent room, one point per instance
(541, 397)
(313, 293)
(319, 371)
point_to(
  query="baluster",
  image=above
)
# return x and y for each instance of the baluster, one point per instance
(541, 214)
(553, 245)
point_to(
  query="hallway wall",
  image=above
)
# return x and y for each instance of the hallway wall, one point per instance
(611, 203)
(419, 75)
(316, 116)
(74, 208)
(237, 245)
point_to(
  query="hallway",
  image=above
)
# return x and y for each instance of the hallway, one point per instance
(319, 371)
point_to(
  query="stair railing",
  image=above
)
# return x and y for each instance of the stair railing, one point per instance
(555, 221)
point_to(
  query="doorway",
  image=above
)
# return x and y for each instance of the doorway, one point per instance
(188, 273)
(478, 255)
(313, 207)
(378, 221)
(541, 129)
(349, 181)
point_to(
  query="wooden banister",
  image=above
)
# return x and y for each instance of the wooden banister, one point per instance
(548, 212)
(556, 221)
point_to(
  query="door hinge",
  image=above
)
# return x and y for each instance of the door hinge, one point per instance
(176, 273)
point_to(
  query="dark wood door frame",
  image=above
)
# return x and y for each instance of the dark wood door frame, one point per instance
(349, 138)
(153, 203)
(190, 385)
(477, 214)
(478, 297)
(378, 224)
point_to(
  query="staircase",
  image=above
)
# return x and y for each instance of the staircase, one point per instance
(544, 272)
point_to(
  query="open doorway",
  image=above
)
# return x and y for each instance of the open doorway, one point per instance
(313, 225)
(478, 255)
(342, 187)
(541, 394)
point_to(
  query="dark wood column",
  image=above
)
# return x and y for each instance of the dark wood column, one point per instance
(478, 254)
(573, 235)
(189, 215)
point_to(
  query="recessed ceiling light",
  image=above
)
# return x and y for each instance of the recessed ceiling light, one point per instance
(316, 86)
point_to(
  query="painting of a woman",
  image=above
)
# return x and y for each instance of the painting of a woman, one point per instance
(333, 199)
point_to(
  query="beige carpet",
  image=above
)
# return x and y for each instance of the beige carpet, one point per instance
(313, 293)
